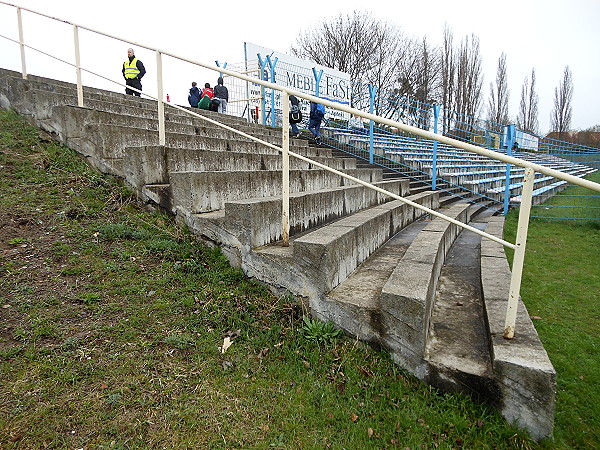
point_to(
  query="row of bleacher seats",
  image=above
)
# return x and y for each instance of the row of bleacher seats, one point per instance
(476, 173)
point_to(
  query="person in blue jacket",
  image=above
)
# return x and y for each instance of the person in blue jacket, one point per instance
(317, 112)
(194, 95)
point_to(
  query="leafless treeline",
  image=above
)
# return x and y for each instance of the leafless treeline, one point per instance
(410, 73)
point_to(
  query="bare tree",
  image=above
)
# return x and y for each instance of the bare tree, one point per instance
(560, 119)
(461, 84)
(499, 94)
(527, 118)
(356, 44)
(469, 80)
(448, 70)
(415, 82)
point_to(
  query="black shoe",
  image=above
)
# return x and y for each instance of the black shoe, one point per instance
(318, 141)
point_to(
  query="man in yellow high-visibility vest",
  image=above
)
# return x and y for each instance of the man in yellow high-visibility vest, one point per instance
(133, 71)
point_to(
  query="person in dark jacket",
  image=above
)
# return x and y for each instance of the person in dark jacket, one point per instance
(317, 112)
(221, 94)
(295, 115)
(133, 72)
(194, 95)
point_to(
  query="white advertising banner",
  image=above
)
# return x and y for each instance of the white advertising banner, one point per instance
(296, 74)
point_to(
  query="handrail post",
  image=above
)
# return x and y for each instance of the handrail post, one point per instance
(285, 167)
(161, 105)
(519, 255)
(21, 44)
(436, 116)
(78, 66)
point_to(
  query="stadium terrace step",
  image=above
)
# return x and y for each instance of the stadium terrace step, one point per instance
(478, 174)
(257, 221)
(330, 253)
(376, 266)
(206, 191)
(152, 164)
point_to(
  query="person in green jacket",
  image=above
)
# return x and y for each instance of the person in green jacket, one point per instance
(204, 102)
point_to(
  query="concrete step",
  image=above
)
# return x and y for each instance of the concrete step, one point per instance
(354, 305)
(408, 296)
(458, 348)
(152, 164)
(330, 253)
(198, 192)
(258, 221)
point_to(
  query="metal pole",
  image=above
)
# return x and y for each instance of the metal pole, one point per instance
(436, 116)
(22, 44)
(78, 66)
(372, 93)
(265, 77)
(161, 104)
(510, 136)
(285, 167)
(519, 255)
(273, 109)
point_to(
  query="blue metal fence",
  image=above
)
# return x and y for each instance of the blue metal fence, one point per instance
(450, 169)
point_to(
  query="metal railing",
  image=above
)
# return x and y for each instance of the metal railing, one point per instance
(530, 168)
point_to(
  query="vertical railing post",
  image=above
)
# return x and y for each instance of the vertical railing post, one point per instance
(265, 77)
(161, 105)
(372, 93)
(317, 76)
(224, 66)
(78, 65)
(272, 67)
(510, 136)
(285, 167)
(22, 44)
(519, 255)
(436, 116)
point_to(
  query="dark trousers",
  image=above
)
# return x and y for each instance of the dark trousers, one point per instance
(314, 125)
(134, 83)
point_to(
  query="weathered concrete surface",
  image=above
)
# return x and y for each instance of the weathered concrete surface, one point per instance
(525, 375)
(206, 191)
(458, 345)
(257, 221)
(317, 260)
(408, 295)
(334, 251)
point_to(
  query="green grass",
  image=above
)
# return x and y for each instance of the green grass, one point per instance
(574, 204)
(561, 288)
(113, 322)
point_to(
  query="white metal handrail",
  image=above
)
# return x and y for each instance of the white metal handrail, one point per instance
(531, 168)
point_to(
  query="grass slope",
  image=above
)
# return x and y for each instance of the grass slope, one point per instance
(115, 324)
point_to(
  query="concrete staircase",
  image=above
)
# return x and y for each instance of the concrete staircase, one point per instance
(378, 268)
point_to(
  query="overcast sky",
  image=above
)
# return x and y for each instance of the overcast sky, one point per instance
(543, 34)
